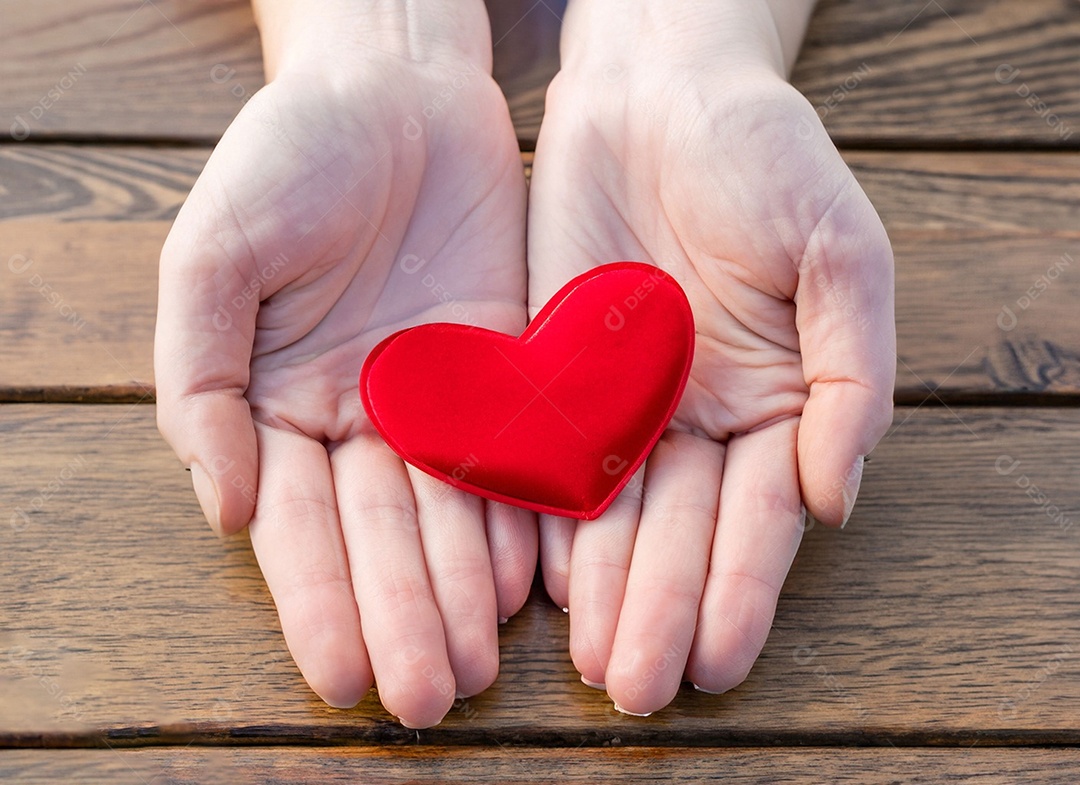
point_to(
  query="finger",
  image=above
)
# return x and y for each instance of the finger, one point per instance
(459, 568)
(848, 342)
(399, 616)
(556, 539)
(202, 349)
(599, 564)
(759, 526)
(667, 574)
(513, 545)
(296, 536)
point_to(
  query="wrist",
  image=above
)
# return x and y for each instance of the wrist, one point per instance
(324, 35)
(602, 38)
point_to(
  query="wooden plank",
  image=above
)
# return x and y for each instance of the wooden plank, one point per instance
(525, 47)
(129, 69)
(945, 613)
(126, 68)
(1030, 194)
(381, 766)
(946, 72)
(905, 73)
(976, 236)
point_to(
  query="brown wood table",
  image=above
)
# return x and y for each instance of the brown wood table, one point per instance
(937, 638)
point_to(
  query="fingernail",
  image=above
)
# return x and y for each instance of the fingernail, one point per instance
(207, 494)
(621, 710)
(707, 692)
(851, 487)
(565, 610)
(596, 685)
(503, 620)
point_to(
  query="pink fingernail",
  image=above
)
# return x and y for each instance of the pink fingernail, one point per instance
(621, 710)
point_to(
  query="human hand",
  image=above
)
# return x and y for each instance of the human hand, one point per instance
(698, 156)
(375, 183)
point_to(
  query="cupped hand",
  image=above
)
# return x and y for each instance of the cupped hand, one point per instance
(726, 180)
(344, 204)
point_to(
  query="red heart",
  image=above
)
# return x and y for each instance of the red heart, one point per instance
(556, 420)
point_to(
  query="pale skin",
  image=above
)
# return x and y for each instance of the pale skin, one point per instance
(321, 222)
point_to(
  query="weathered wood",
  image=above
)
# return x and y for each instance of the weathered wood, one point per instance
(380, 766)
(126, 68)
(986, 248)
(78, 304)
(906, 73)
(525, 47)
(1023, 194)
(944, 613)
(949, 73)
(130, 69)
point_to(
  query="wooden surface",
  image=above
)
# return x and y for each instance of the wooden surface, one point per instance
(910, 73)
(379, 766)
(949, 618)
(972, 233)
(935, 639)
(181, 70)
(925, 73)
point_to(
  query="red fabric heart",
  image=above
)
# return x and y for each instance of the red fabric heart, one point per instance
(556, 420)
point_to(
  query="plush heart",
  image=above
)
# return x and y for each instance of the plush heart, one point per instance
(556, 420)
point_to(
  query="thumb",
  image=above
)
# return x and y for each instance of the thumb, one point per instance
(847, 336)
(202, 352)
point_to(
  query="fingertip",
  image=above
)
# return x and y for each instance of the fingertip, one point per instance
(735, 625)
(850, 489)
(513, 545)
(425, 702)
(227, 500)
(841, 423)
(633, 696)
(588, 665)
(414, 726)
(207, 494)
(596, 685)
(340, 680)
(645, 677)
(475, 661)
(213, 434)
(556, 539)
(592, 673)
(556, 585)
(344, 696)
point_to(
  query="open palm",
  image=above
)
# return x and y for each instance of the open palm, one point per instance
(332, 213)
(736, 191)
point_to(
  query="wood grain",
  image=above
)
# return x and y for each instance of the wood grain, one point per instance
(86, 72)
(948, 73)
(975, 237)
(944, 614)
(126, 69)
(525, 49)
(907, 73)
(406, 766)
